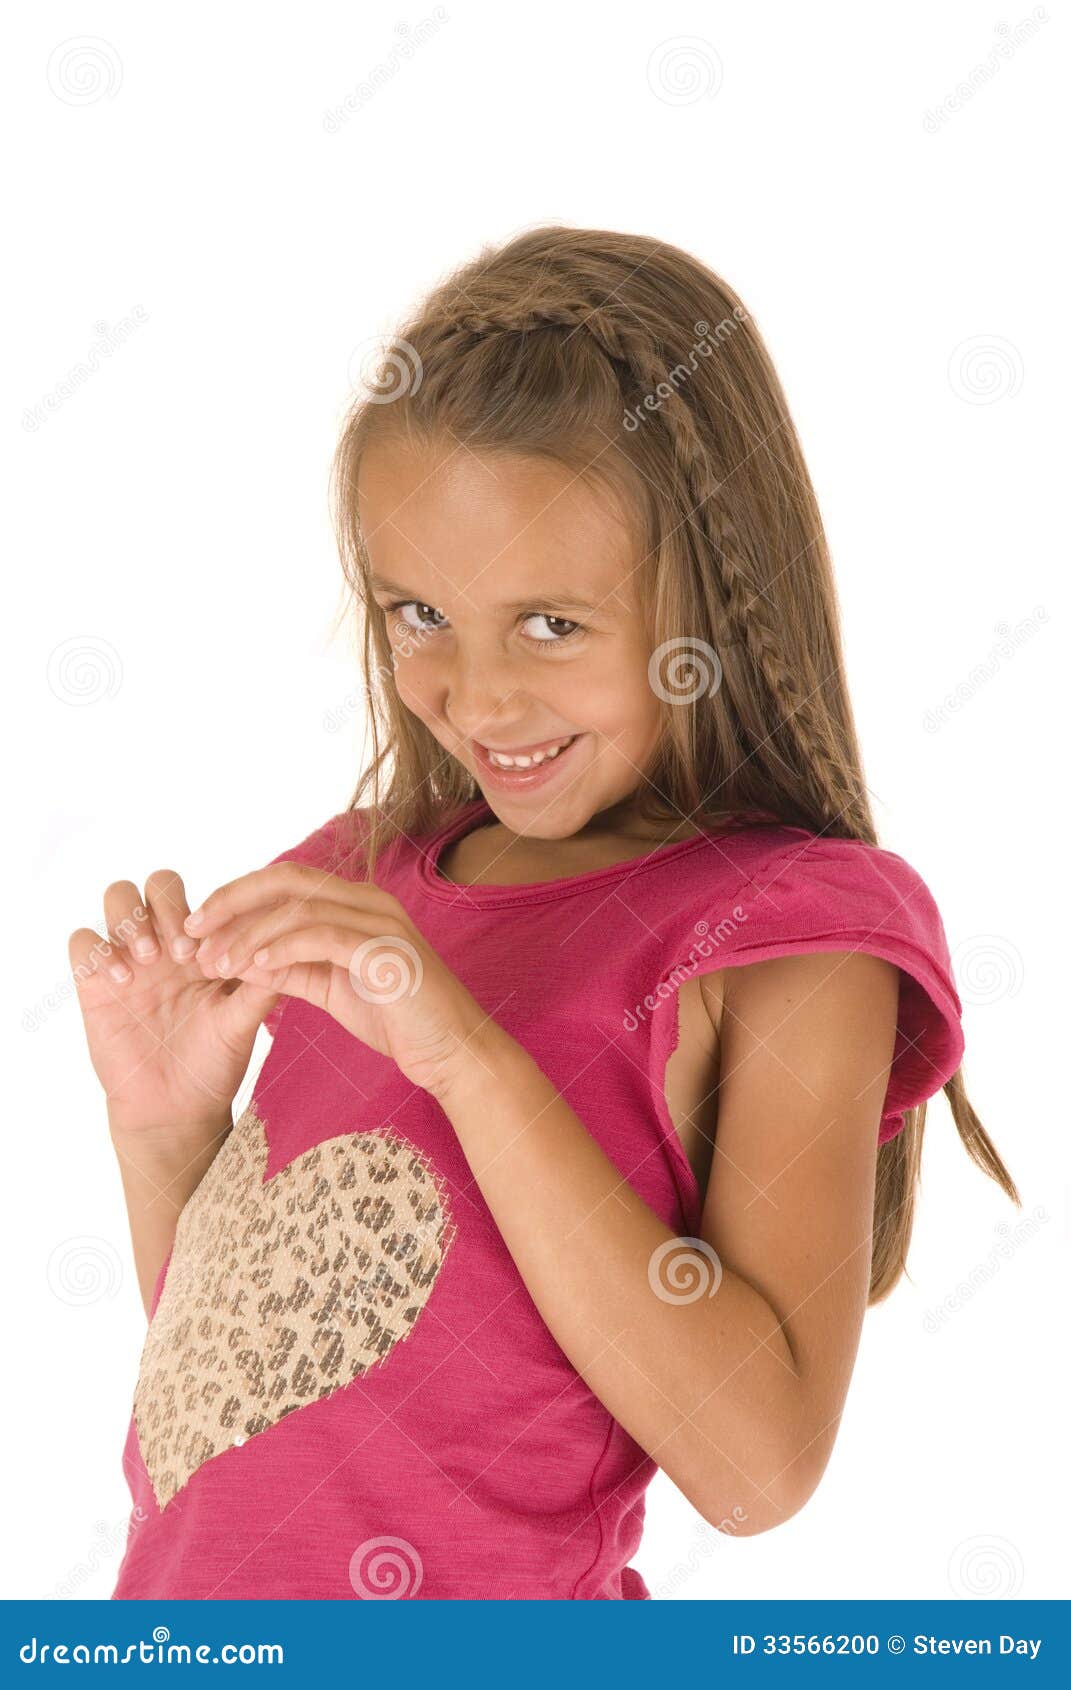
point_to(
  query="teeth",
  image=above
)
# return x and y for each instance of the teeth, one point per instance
(503, 762)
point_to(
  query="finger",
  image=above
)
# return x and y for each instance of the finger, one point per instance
(166, 897)
(387, 964)
(274, 883)
(230, 947)
(129, 923)
(310, 981)
(91, 957)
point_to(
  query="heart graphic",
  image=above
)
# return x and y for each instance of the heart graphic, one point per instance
(283, 1291)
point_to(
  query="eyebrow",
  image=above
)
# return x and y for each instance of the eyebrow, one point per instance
(563, 601)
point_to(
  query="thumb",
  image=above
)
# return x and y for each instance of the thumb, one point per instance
(242, 1010)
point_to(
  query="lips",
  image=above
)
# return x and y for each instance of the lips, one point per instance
(528, 750)
(536, 774)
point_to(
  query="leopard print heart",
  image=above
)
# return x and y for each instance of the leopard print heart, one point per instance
(280, 1292)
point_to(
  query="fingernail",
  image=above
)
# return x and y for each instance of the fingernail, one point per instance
(145, 947)
(195, 919)
(119, 972)
(260, 957)
(181, 948)
(223, 963)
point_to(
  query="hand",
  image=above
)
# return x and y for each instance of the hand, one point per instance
(169, 1047)
(349, 948)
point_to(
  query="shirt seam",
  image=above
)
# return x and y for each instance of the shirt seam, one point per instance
(449, 892)
(596, 1510)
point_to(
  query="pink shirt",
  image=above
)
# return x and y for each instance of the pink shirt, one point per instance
(346, 1390)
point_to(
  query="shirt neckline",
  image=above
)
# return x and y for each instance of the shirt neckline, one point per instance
(532, 891)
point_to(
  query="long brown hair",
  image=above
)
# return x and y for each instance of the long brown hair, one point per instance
(629, 362)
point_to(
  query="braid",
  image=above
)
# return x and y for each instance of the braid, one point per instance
(800, 710)
(615, 336)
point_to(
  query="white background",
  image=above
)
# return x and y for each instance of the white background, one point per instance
(171, 516)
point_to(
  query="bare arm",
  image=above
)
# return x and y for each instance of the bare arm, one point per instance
(158, 1179)
(735, 1393)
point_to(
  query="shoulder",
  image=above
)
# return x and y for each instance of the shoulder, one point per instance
(835, 984)
(825, 1018)
(794, 889)
(838, 923)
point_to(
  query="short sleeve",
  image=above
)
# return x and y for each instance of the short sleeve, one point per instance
(845, 894)
(334, 847)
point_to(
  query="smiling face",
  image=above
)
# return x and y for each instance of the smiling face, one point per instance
(510, 587)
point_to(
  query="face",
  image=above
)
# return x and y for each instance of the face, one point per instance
(510, 591)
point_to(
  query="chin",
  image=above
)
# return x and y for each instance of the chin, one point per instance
(523, 819)
(533, 821)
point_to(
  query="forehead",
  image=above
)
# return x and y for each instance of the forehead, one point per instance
(493, 526)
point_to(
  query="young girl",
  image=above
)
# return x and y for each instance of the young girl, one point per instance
(602, 1034)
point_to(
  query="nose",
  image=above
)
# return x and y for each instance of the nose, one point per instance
(478, 698)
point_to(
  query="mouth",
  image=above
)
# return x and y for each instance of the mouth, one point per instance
(528, 766)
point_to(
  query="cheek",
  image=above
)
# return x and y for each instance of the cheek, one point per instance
(414, 679)
(620, 701)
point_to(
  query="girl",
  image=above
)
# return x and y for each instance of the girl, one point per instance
(602, 1034)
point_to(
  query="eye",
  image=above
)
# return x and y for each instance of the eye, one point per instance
(420, 625)
(557, 637)
(561, 628)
